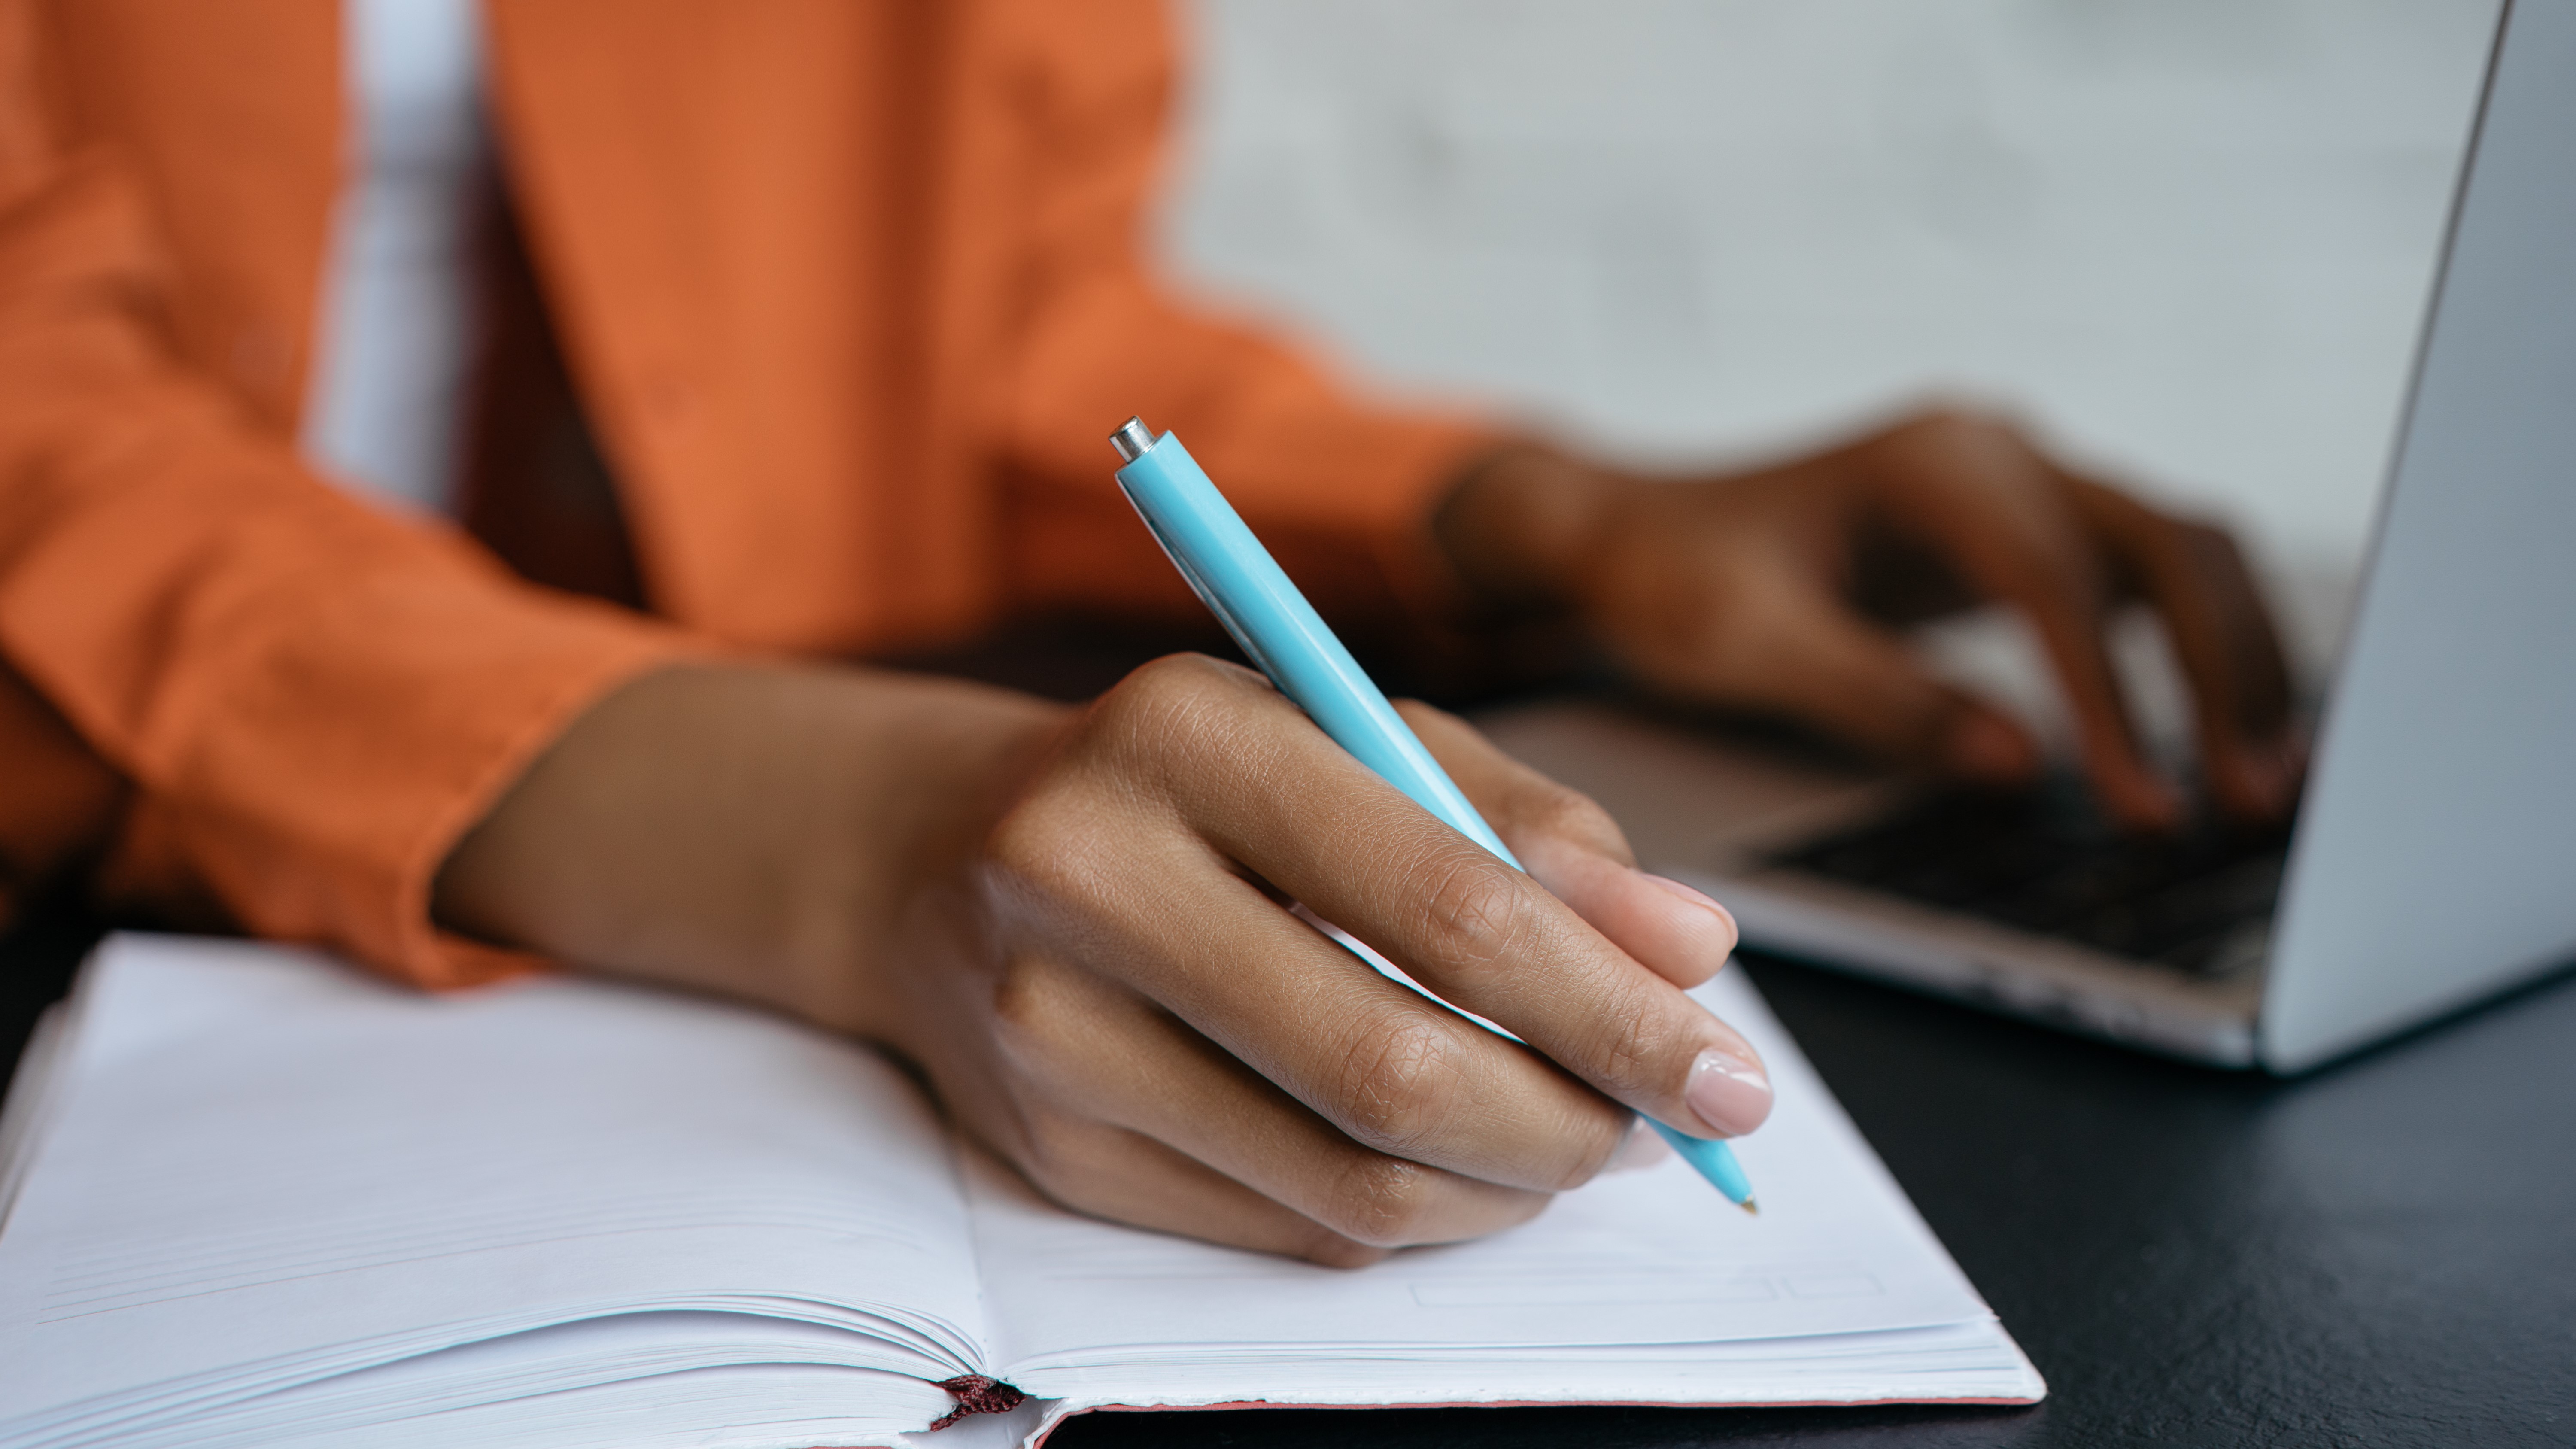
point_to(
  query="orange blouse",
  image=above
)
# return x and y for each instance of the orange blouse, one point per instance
(853, 295)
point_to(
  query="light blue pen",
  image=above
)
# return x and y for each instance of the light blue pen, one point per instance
(1283, 636)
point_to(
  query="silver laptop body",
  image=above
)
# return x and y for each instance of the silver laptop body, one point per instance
(2433, 861)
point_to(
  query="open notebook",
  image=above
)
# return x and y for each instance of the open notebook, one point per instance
(255, 1198)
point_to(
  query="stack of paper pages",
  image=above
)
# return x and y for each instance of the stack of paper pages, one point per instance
(253, 1197)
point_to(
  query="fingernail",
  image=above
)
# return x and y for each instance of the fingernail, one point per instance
(1640, 1149)
(1729, 1093)
(1725, 917)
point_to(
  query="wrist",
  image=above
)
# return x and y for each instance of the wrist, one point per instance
(754, 832)
(1521, 528)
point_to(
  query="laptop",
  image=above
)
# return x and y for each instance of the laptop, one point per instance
(2432, 860)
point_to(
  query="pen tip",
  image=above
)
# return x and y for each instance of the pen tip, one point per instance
(1751, 1208)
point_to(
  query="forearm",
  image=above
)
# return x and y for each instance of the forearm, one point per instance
(751, 831)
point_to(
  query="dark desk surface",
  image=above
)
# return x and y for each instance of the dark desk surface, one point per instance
(2383, 1254)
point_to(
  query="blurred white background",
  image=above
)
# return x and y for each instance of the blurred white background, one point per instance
(2191, 239)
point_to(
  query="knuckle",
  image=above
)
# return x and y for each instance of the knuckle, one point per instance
(1399, 1082)
(1170, 721)
(1166, 699)
(1627, 1064)
(1039, 1024)
(1380, 1201)
(1633, 1061)
(1602, 1134)
(1046, 860)
(2209, 548)
(1023, 1004)
(1171, 675)
(1960, 427)
(1635, 1055)
(1568, 813)
(1736, 646)
(1028, 842)
(1475, 908)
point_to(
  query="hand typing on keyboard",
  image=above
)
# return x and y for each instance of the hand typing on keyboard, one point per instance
(1779, 589)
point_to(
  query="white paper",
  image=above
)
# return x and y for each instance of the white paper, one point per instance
(267, 1200)
(1654, 1257)
(621, 1382)
(266, 1169)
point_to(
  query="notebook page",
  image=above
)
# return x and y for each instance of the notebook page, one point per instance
(1957, 1363)
(750, 1406)
(1653, 1257)
(524, 1388)
(263, 1168)
(31, 1094)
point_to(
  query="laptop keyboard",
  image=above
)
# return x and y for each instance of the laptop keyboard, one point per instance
(2046, 861)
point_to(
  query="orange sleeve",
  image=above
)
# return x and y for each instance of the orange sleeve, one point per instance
(1088, 86)
(310, 700)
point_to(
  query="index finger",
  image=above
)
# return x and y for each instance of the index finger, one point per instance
(1490, 940)
(1998, 509)
(1571, 846)
(2197, 581)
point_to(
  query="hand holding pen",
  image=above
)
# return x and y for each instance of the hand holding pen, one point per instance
(1076, 923)
(1281, 633)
